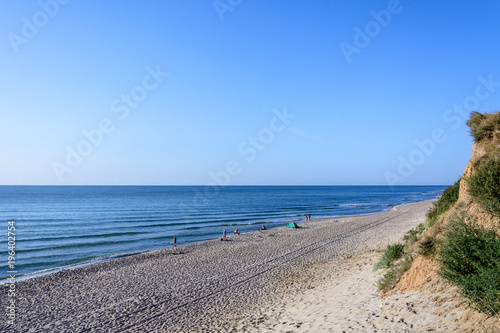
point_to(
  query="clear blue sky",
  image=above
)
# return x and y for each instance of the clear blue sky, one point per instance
(354, 87)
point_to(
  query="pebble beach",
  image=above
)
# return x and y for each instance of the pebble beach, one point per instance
(214, 286)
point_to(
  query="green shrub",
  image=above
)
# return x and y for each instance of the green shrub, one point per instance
(414, 234)
(392, 276)
(484, 185)
(447, 200)
(470, 259)
(421, 228)
(428, 246)
(495, 119)
(391, 254)
(411, 236)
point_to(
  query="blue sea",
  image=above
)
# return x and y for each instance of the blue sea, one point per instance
(64, 226)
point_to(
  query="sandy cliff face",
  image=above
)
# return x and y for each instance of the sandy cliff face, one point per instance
(465, 202)
(423, 277)
(423, 269)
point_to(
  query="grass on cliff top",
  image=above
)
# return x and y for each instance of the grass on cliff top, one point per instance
(484, 126)
(469, 258)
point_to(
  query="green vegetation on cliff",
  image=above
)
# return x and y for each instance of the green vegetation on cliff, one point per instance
(468, 254)
(391, 254)
(445, 202)
(469, 258)
(484, 185)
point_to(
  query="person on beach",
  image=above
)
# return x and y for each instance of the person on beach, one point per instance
(236, 232)
(263, 227)
(175, 240)
(223, 234)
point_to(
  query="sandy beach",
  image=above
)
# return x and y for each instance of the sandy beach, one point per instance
(317, 278)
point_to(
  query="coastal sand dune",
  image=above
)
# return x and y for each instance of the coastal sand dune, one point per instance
(243, 284)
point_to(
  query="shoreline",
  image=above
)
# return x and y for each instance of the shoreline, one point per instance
(200, 286)
(104, 258)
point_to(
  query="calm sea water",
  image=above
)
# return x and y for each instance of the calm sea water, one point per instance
(60, 226)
